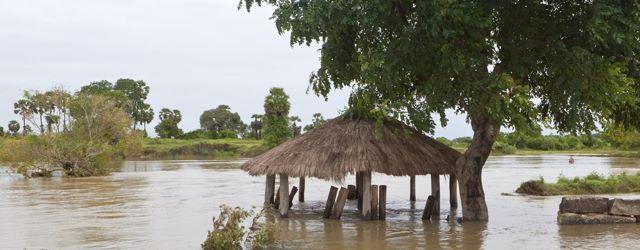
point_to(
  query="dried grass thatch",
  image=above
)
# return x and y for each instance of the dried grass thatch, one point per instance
(345, 146)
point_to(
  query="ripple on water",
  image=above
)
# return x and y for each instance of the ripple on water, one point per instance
(169, 204)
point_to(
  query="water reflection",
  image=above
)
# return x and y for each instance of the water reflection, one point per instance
(169, 204)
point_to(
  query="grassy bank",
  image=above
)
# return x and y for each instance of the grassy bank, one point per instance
(177, 149)
(590, 184)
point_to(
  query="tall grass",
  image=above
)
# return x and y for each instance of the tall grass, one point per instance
(593, 183)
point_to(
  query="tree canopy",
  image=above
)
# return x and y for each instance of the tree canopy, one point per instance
(168, 126)
(316, 121)
(275, 120)
(130, 94)
(567, 64)
(221, 118)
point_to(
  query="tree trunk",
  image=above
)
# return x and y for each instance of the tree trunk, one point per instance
(469, 167)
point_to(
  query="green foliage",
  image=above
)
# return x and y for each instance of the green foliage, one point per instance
(13, 127)
(276, 117)
(228, 230)
(168, 126)
(97, 138)
(265, 236)
(488, 59)
(128, 93)
(593, 183)
(221, 118)
(316, 121)
(157, 148)
(503, 148)
(256, 127)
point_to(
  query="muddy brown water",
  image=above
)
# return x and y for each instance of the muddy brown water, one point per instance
(169, 205)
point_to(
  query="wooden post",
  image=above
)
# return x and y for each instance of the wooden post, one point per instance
(284, 194)
(359, 189)
(453, 192)
(412, 188)
(330, 200)
(429, 207)
(353, 193)
(366, 195)
(382, 214)
(292, 195)
(374, 202)
(268, 189)
(435, 192)
(301, 195)
(276, 203)
(339, 205)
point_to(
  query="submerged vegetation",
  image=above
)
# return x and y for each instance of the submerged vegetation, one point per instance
(94, 136)
(229, 231)
(593, 183)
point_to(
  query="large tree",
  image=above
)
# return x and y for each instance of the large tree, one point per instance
(168, 126)
(136, 92)
(568, 64)
(221, 118)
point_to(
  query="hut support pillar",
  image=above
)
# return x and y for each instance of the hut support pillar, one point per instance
(366, 197)
(301, 195)
(284, 194)
(435, 192)
(269, 189)
(359, 189)
(412, 188)
(453, 192)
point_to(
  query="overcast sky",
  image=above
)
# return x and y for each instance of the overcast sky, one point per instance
(194, 55)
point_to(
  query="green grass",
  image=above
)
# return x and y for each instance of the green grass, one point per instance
(155, 148)
(590, 184)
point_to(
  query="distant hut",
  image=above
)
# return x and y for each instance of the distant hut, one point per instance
(346, 146)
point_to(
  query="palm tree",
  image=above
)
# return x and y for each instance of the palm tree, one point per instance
(14, 127)
(23, 107)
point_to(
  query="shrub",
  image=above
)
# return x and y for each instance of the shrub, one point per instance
(503, 148)
(593, 183)
(228, 230)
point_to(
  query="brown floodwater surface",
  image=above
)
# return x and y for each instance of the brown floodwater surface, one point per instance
(169, 205)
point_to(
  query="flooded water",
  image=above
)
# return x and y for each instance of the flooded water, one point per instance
(169, 205)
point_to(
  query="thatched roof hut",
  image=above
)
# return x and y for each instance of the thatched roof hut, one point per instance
(345, 146)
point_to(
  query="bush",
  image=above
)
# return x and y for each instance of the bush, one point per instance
(228, 230)
(503, 148)
(590, 184)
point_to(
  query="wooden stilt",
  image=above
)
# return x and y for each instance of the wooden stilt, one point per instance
(435, 192)
(352, 192)
(366, 199)
(268, 189)
(374, 202)
(382, 211)
(412, 188)
(428, 208)
(276, 203)
(336, 212)
(292, 195)
(330, 200)
(301, 195)
(284, 194)
(453, 192)
(359, 189)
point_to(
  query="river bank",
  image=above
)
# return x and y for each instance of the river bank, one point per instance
(203, 149)
(199, 149)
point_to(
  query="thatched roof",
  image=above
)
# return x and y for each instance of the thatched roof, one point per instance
(345, 145)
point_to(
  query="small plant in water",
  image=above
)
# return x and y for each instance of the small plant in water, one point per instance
(265, 236)
(228, 230)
